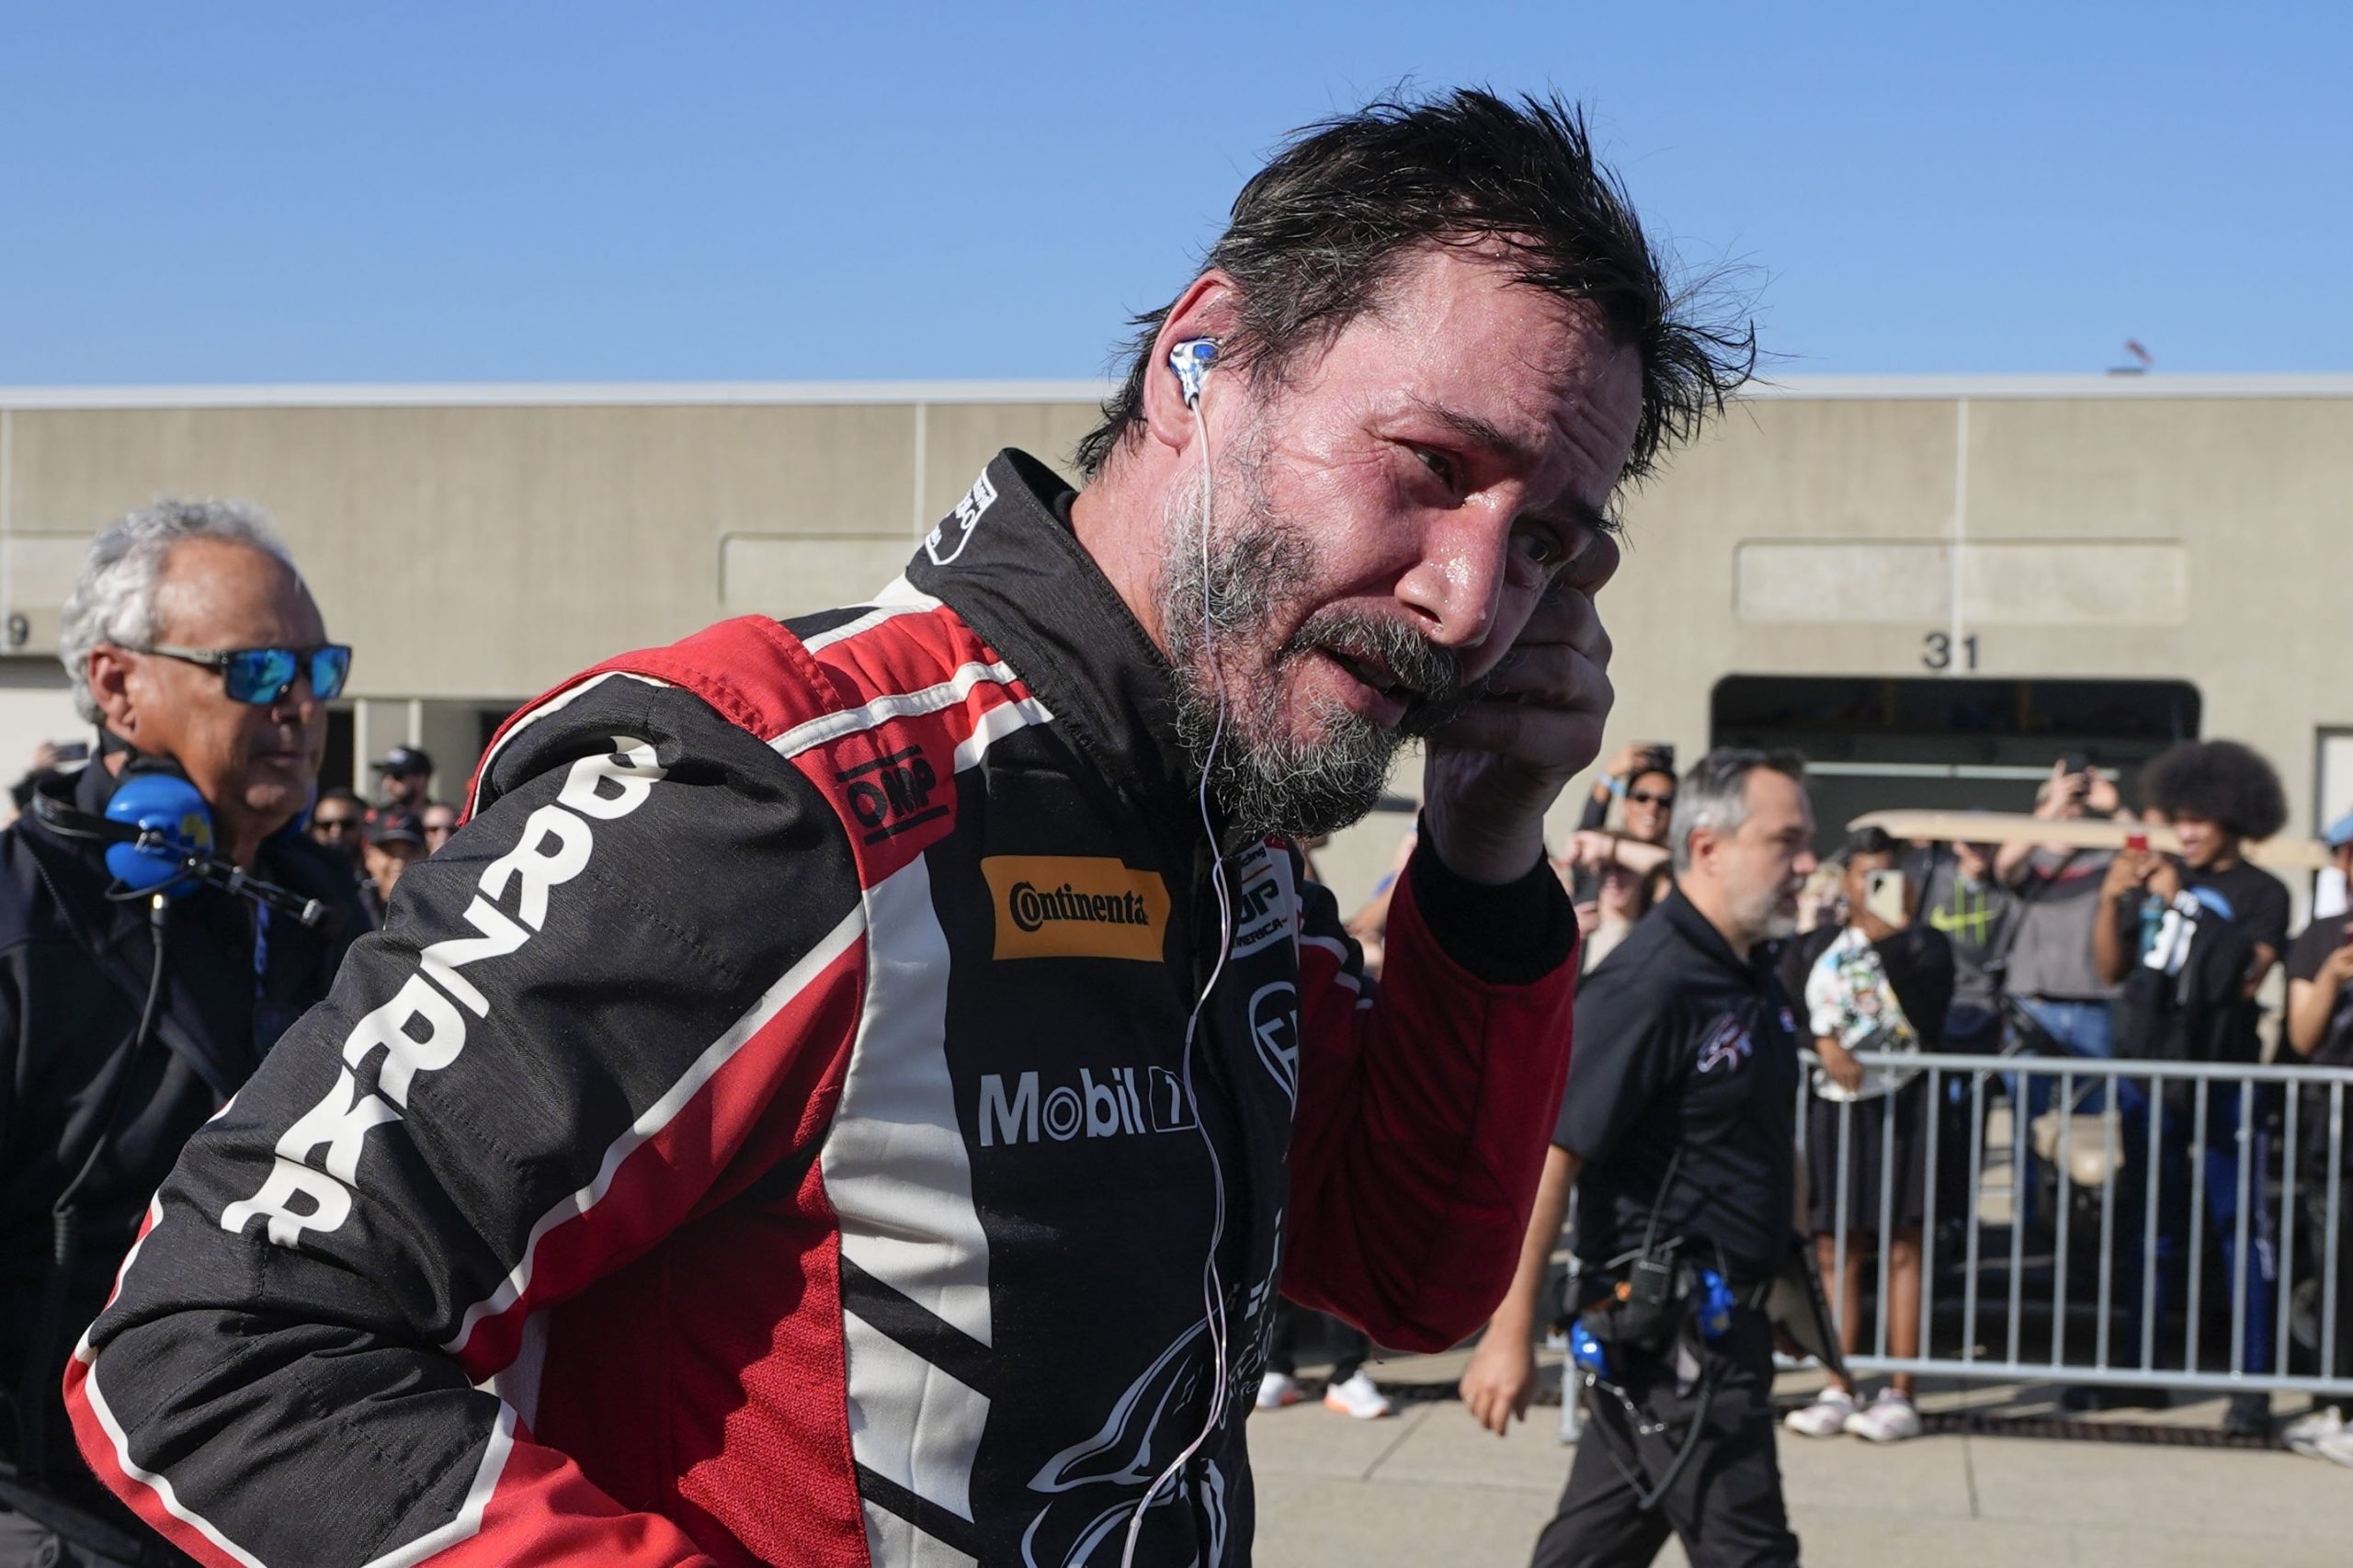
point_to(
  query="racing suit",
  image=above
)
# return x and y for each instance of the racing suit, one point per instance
(766, 1132)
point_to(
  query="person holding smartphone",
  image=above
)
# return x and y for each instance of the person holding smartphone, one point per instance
(1877, 982)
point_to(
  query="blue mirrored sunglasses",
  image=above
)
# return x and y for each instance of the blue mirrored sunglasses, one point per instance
(262, 675)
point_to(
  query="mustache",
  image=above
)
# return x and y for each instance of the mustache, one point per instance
(1438, 692)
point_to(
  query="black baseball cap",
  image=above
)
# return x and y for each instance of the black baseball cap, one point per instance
(403, 761)
(396, 827)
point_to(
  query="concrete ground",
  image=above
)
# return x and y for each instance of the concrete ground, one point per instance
(2136, 1490)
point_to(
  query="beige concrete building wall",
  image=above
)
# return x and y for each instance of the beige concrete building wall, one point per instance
(478, 545)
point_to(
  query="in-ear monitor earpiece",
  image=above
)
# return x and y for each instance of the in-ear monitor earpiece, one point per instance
(1191, 360)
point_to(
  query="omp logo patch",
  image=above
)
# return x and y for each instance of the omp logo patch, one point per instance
(893, 794)
(1076, 907)
(947, 542)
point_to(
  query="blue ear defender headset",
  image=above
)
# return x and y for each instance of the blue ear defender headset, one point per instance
(171, 824)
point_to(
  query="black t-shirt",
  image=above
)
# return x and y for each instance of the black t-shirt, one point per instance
(1680, 1045)
(2309, 952)
(2185, 998)
(2257, 901)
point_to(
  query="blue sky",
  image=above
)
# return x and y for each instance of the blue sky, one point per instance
(230, 193)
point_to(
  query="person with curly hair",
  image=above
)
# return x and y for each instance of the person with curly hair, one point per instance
(2190, 939)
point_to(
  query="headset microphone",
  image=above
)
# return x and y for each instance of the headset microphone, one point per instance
(159, 844)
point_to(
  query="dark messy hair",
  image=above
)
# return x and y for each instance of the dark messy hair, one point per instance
(1320, 232)
(1870, 841)
(2221, 781)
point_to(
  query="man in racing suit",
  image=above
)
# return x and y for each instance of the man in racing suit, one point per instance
(842, 1098)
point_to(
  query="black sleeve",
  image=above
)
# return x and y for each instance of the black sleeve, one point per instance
(2269, 918)
(1595, 814)
(2310, 950)
(1918, 961)
(1512, 935)
(1623, 1059)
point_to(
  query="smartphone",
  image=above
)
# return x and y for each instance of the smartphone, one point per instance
(2073, 763)
(1663, 758)
(1885, 895)
(71, 751)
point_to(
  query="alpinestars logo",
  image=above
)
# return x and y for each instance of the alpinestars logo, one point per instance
(1118, 1103)
(947, 540)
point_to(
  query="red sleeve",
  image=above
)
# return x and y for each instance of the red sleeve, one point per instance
(1424, 1108)
(590, 1016)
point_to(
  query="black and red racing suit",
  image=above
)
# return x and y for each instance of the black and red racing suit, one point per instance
(764, 1133)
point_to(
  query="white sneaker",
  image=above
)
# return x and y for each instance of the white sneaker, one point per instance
(1276, 1390)
(1826, 1418)
(2306, 1432)
(1890, 1419)
(2336, 1446)
(1356, 1397)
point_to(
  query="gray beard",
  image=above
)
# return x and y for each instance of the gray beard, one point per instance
(1215, 615)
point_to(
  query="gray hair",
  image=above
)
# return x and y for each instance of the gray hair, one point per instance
(1714, 794)
(114, 596)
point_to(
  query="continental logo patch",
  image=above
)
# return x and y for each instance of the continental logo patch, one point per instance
(1076, 907)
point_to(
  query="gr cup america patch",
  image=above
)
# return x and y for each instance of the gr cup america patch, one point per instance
(947, 540)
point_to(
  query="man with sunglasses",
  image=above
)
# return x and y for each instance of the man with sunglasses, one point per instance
(195, 649)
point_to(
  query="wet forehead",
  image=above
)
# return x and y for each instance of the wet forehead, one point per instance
(1454, 337)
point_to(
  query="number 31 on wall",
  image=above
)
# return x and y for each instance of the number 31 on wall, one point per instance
(1937, 648)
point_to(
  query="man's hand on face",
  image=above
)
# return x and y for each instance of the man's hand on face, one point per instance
(1492, 774)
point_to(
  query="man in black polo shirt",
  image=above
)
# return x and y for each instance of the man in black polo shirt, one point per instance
(1680, 1108)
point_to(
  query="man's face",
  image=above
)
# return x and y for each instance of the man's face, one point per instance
(1650, 802)
(387, 861)
(255, 763)
(406, 790)
(1763, 866)
(441, 822)
(1384, 518)
(2203, 840)
(336, 824)
(1975, 860)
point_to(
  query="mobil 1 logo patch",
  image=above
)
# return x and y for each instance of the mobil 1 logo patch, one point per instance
(948, 538)
(1106, 1102)
(1265, 899)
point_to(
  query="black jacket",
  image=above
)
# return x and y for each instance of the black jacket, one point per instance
(74, 972)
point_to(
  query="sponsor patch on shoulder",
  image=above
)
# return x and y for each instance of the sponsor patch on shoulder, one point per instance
(947, 542)
(1076, 907)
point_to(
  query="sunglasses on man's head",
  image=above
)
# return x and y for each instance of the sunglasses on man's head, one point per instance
(263, 676)
(1647, 798)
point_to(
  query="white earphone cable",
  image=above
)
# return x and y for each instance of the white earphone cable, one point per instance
(1213, 1290)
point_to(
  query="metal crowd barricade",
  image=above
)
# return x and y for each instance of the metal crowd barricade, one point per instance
(2091, 1297)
